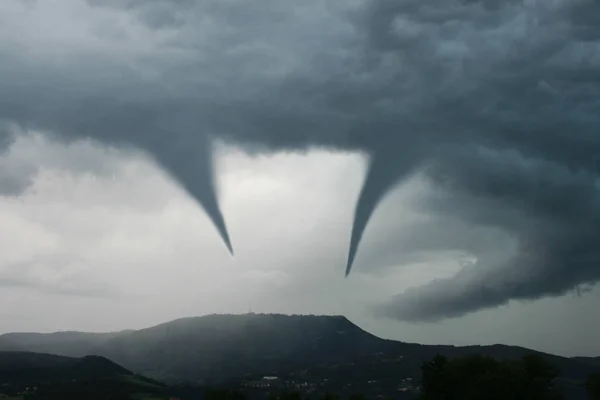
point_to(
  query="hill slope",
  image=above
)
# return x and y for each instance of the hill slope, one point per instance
(221, 348)
(71, 344)
(23, 367)
(45, 376)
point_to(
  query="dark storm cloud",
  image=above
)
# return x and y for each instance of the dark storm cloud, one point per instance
(7, 137)
(13, 179)
(552, 214)
(155, 13)
(496, 102)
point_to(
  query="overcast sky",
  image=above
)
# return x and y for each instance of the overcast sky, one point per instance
(446, 152)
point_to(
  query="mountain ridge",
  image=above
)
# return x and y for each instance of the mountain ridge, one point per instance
(224, 347)
(4, 337)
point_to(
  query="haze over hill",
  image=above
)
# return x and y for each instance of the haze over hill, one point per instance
(225, 348)
(68, 343)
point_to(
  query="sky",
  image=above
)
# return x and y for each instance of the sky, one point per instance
(442, 156)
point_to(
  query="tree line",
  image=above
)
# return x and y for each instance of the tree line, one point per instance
(473, 377)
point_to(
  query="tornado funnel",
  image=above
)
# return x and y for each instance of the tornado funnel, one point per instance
(191, 164)
(385, 170)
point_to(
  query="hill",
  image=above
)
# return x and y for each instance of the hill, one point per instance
(45, 376)
(24, 367)
(68, 343)
(214, 347)
(594, 361)
(220, 349)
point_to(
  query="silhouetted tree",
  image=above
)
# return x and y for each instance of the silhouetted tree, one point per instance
(593, 386)
(484, 378)
(224, 394)
(293, 395)
(357, 397)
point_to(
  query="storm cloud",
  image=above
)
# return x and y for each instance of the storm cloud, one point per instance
(495, 103)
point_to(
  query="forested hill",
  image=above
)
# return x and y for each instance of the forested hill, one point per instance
(23, 367)
(221, 348)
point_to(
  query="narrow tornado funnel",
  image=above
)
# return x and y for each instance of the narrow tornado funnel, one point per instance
(191, 164)
(385, 170)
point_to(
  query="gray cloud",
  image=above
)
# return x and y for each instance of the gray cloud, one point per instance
(6, 137)
(25, 153)
(13, 178)
(549, 212)
(494, 101)
(23, 275)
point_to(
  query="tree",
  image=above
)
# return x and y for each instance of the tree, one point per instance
(357, 397)
(538, 377)
(330, 396)
(224, 394)
(593, 386)
(293, 395)
(484, 378)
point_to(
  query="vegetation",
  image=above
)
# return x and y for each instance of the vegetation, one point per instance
(33, 376)
(484, 378)
(24, 368)
(291, 357)
(30, 376)
(218, 349)
(593, 386)
(226, 394)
